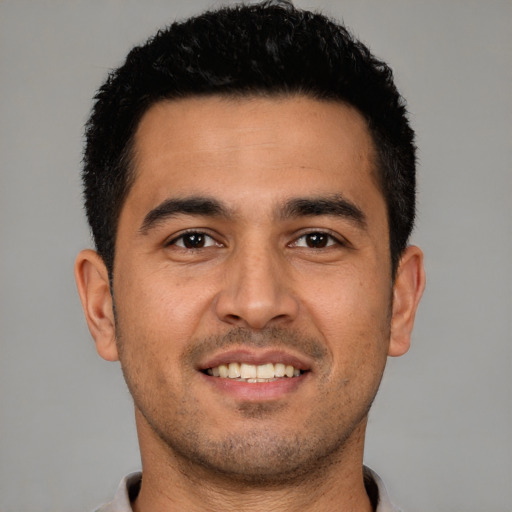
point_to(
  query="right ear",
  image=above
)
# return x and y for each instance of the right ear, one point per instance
(92, 280)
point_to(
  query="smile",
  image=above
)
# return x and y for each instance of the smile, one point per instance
(252, 373)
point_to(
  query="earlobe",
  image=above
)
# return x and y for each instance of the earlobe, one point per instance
(407, 291)
(93, 287)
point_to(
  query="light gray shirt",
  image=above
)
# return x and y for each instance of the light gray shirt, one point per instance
(130, 485)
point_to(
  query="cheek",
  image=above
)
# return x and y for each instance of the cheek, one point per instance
(155, 321)
(162, 307)
(352, 313)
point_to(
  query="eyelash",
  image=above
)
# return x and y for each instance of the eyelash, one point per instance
(330, 240)
(191, 234)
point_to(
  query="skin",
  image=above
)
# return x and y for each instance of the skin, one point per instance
(267, 280)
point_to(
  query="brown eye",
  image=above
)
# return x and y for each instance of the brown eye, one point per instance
(194, 240)
(315, 240)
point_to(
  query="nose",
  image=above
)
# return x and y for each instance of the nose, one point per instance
(257, 290)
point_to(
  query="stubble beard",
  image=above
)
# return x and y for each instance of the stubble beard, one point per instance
(256, 456)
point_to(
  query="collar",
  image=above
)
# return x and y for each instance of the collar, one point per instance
(130, 486)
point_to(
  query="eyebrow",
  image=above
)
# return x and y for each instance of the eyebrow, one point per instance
(332, 206)
(173, 207)
(293, 208)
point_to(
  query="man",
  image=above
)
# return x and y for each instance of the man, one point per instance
(250, 184)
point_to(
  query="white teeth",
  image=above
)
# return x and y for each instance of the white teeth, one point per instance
(279, 370)
(254, 373)
(234, 370)
(248, 371)
(265, 371)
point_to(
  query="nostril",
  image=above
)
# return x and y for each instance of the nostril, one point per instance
(233, 319)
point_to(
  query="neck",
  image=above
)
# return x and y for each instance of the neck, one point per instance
(171, 483)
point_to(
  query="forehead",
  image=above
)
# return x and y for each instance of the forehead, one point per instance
(203, 142)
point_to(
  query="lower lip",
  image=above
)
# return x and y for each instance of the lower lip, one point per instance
(256, 391)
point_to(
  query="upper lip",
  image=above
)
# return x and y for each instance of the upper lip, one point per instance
(259, 357)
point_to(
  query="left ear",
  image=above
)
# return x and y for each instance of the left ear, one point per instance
(407, 291)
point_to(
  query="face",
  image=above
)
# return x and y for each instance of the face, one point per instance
(252, 283)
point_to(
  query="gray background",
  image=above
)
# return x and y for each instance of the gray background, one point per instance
(440, 431)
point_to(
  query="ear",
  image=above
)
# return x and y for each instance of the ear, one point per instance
(93, 287)
(407, 291)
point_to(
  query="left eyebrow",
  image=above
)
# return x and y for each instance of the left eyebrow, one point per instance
(196, 206)
(336, 206)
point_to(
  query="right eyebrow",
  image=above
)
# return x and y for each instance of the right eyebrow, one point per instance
(203, 206)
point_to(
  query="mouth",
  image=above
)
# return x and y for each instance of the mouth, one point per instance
(248, 375)
(254, 373)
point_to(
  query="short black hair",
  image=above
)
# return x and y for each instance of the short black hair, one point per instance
(270, 48)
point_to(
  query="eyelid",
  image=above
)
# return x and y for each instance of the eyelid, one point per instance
(171, 241)
(336, 237)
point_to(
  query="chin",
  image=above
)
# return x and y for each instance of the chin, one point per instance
(259, 456)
